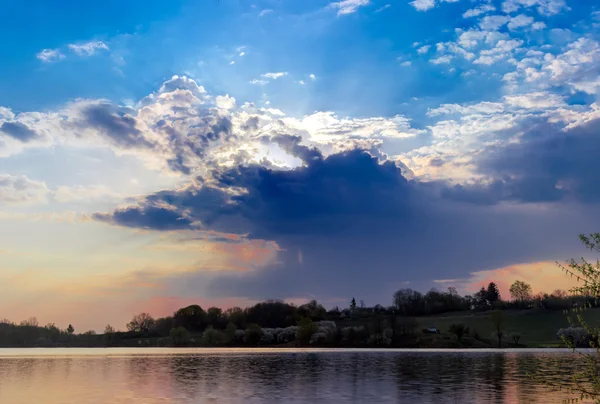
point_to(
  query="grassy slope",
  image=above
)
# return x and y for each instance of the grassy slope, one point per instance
(537, 327)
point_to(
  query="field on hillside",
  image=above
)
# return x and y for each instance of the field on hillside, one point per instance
(537, 327)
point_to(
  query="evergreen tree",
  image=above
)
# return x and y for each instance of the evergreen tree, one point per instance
(493, 294)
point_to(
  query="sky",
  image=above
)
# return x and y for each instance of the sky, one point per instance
(156, 154)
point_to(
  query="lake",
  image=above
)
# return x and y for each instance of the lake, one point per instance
(232, 376)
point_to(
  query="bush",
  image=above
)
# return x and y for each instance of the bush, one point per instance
(318, 338)
(459, 330)
(211, 337)
(230, 332)
(180, 336)
(306, 328)
(266, 339)
(239, 336)
(576, 335)
(253, 334)
(287, 334)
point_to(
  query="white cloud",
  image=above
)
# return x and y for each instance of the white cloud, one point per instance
(423, 5)
(474, 12)
(577, 67)
(265, 12)
(519, 21)
(301, 82)
(493, 22)
(423, 49)
(88, 48)
(21, 191)
(536, 100)
(441, 60)
(225, 101)
(259, 82)
(50, 55)
(539, 25)
(502, 50)
(274, 76)
(382, 8)
(406, 63)
(349, 6)
(232, 62)
(312, 77)
(544, 7)
(480, 108)
(242, 54)
(522, 21)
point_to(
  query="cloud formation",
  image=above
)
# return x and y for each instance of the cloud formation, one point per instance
(87, 48)
(20, 190)
(349, 6)
(50, 55)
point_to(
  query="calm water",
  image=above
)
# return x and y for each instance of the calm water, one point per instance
(149, 376)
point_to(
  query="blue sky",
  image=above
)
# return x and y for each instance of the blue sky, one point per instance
(133, 136)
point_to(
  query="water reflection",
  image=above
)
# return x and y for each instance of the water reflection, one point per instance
(231, 377)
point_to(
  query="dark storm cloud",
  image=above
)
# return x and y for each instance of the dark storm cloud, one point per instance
(18, 131)
(547, 165)
(348, 224)
(291, 144)
(114, 123)
(146, 217)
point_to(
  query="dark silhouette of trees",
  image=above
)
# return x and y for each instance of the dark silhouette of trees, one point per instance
(70, 329)
(312, 310)
(521, 293)
(141, 323)
(237, 316)
(493, 294)
(353, 305)
(272, 314)
(192, 318)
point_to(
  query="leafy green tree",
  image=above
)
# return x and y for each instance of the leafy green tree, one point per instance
(306, 328)
(180, 336)
(520, 292)
(585, 382)
(497, 318)
(230, 332)
(211, 337)
(459, 330)
(253, 334)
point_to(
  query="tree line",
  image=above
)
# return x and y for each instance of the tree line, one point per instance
(237, 326)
